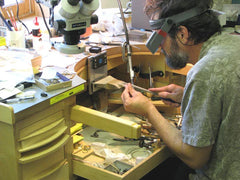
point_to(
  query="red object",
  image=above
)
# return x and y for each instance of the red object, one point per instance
(35, 21)
(36, 29)
(162, 33)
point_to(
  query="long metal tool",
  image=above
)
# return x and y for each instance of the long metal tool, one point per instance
(127, 44)
(155, 96)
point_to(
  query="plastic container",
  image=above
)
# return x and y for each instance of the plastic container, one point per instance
(36, 28)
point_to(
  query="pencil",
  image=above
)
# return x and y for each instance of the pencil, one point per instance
(14, 21)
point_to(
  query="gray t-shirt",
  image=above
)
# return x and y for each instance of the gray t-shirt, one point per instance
(211, 107)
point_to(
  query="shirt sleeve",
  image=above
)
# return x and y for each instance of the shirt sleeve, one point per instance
(201, 110)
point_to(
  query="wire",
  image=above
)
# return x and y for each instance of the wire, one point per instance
(19, 19)
(49, 32)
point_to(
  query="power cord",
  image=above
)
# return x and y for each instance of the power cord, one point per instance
(49, 32)
(19, 19)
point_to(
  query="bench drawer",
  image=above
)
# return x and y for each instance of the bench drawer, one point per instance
(89, 171)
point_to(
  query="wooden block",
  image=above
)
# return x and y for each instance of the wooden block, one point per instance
(105, 122)
(109, 82)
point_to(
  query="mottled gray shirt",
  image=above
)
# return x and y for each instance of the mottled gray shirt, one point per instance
(211, 107)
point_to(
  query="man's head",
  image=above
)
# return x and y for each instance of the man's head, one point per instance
(176, 58)
(187, 17)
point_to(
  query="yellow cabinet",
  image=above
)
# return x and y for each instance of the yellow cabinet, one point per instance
(36, 143)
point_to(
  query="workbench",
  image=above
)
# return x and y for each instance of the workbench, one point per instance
(35, 135)
(117, 67)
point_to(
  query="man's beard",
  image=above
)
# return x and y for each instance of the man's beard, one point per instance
(176, 59)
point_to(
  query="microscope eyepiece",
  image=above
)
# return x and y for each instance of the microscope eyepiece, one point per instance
(87, 1)
(73, 2)
(94, 19)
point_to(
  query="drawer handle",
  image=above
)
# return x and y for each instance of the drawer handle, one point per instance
(42, 153)
(51, 171)
(43, 130)
(44, 142)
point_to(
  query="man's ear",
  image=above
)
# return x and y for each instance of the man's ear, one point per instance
(183, 35)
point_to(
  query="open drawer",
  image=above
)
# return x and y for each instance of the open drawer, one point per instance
(89, 171)
(96, 164)
(92, 165)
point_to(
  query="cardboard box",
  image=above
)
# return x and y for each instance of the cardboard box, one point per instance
(50, 85)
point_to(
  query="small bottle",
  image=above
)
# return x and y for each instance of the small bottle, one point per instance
(36, 35)
(36, 29)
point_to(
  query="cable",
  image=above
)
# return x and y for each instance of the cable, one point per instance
(4, 20)
(19, 19)
(49, 32)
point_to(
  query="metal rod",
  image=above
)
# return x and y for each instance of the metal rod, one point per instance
(123, 20)
(155, 94)
(141, 89)
(129, 53)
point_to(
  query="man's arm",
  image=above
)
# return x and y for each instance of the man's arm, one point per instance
(135, 102)
(194, 157)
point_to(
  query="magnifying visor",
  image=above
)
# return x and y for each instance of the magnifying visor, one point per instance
(164, 25)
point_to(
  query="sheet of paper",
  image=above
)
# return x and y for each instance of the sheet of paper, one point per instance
(15, 67)
(6, 93)
(56, 58)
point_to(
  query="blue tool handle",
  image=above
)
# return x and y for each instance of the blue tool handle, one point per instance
(6, 23)
(62, 77)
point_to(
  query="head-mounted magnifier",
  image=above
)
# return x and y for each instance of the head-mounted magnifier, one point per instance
(164, 25)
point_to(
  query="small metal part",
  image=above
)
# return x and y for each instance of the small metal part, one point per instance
(179, 124)
(138, 88)
(95, 134)
(43, 94)
(147, 142)
(150, 77)
(95, 49)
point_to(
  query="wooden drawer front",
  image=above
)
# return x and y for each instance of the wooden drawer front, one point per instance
(88, 171)
(44, 166)
(42, 136)
(29, 128)
(60, 172)
(39, 153)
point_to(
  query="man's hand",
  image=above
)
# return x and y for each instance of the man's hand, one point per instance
(171, 91)
(134, 101)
